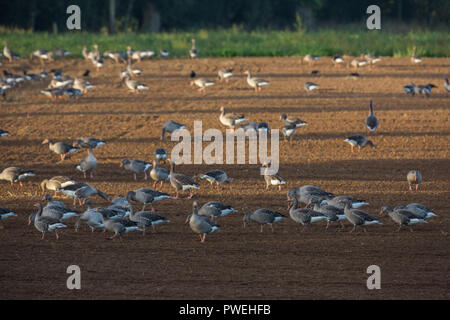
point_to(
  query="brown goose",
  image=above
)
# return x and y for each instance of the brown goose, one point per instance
(15, 174)
(360, 141)
(310, 59)
(8, 53)
(199, 224)
(291, 120)
(231, 120)
(55, 183)
(202, 83)
(133, 85)
(159, 174)
(181, 181)
(225, 74)
(215, 176)
(254, 82)
(61, 148)
(414, 177)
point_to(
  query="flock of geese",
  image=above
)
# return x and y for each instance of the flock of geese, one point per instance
(120, 217)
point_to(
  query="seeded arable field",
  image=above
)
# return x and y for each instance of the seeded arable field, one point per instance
(235, 263)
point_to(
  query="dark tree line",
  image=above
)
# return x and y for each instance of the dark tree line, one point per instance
(167, 15)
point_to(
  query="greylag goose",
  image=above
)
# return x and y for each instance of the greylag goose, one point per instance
(146, 219)
(46, 224)
(446, 84)
(146, 196)
(82, 84)
(424, 90)
(133, 71)
(60, 53)
(15, 174)
(360, 141)
(53, 93)
(358, 217)
(231, 119)
(81, 190)
(4, 133)
(159, 174)
(211, 212)
(136, 166)
(357, 63)
(414, 57)
(215, 176)
(272, 179)
(72, 92)
(199, 224)
(310, 59)
(133, 85)
(292, 121)
(91, 217)
(372, 59)
(371, 120)
(59, 83)
(171, 127)
(61, 148)
(337, 60)
(42, 55)
(55, 183)
(263, 217)
(304, 216)
(304, 194)
(419, 210)
(289, 132)
(8, 53)
(116, 56)
(414, 177)
(254, 82)
(160, 154)
(138, 55)
(410, 89)
(331, 212)
(88, 164)
(115, 225)
(250, 126)
(193, 53)
(310, 86)
(181, 181)
(223, 208)
(98, 63)
(356, 203)
(225, 74)
(202, 83)
(402, 217)
(89, 143)
(263, 127)
(5, 214)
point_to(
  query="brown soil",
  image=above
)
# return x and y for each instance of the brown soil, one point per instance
(236, 263)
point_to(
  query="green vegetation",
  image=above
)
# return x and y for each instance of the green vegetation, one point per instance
(238, 42)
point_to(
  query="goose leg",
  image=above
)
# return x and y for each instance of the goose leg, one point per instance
(191, 194)
(271, 227)
(57, 236)
(410, 188)
(92, 174)
(417, 187)
(261, 230)
(145, 175)
(43, 235)
(354, 228)
(161, 184)
(398, 228)
(134, 175)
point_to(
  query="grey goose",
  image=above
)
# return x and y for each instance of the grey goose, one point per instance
(15, 174)
(88, 164)
(146, 196)
(371, 120)
(5, 214)
(159, 174)
(199, 224)
(170, 127)
(136, 166)
(181, 181)
(414, 177)
(215, 176)
(402, 217)
(304, 216)
(263, 217)
(144, 219)
(46, 224)
(360, 141)
(61, 148)
(358, 217)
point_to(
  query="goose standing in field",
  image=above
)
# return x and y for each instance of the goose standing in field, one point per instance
(133, 85)
(60, 83)
(215, 176)
(360, 141)
(357, 63)
(263, 217)
(199, 224)
(4, 133)
(254, 82)
(81, 190)
(371, 120)
(223, 208)
(414, 177)
(61, 148)
(15, 174)
(82, 84)
(136, 166)
(42, 55)
(181, 181)
(225, 74)
(98, 63)
(446, 84)
(72, 92)
(94, 54)
(91, 217)
(410, 89)
(304, 194)
(304, 216)
(289, 132)
(358, 217)
(8, 53)
(402, 217)
(425, 90)
(419, 210)
(146, 196)
(414, 57)
(193, 53)
(310, 59)
(337, 60)
(371, 59)
(116, 56)
(55, 183)
(171, 127)
(310, 86)
(63, 211)
(133, 70)
(202, 83)
(46, 224)
(54, 93)
(272, 179)
(332, 213)
(144, 219)
(115, 225)
(159, 174)
(211, 212)
(292, 121)
(336, 202)
(231, 119)
(89, 143)
(88, 164)
(5, 214)
(160, 154)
